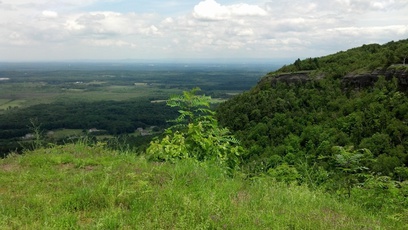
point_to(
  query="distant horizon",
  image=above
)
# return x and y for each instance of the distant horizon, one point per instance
(265, 65)
(160, 61)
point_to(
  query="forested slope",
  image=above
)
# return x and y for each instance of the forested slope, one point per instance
(356, 60)
(306, 126)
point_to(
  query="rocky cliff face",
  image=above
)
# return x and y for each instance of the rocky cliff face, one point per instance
(368, 79)
(290, 78)
(351, 80)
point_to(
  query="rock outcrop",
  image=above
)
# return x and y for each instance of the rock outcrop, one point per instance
(351, 80)
(289, 78)
(368, 79)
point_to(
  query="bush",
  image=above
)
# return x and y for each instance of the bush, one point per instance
(196, 134)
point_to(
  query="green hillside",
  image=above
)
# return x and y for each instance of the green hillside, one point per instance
(301, 124)
(361, 59)
(76, 186)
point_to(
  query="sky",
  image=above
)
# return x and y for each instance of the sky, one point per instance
(59, 30)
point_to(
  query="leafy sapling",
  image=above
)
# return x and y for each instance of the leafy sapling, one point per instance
(196, 134)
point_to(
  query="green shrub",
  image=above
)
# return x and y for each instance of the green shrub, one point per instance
(284, 173)
(196, 134)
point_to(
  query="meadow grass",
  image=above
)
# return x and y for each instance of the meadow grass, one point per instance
(63, 133)
(9, 103)
(4, 101)
(79, 187)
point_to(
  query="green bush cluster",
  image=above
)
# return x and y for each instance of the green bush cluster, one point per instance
(196, 134)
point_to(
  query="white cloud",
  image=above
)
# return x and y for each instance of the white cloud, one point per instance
(110, 24)
(371, 32)
(168, 20)
(243, 9)
(109, 43)
(212, 10)
(49, 14)
(17, 39)
(240, 32)
(210, 28)
(73, 25)
(367, 5)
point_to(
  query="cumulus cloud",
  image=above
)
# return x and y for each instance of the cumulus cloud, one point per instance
(212, 10)
(367, 5)
(372, 32)
(209, 28)
(108, 23)
(49, 14)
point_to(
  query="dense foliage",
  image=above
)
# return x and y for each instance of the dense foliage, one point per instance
(290, 123)
(196, 134)
(115, 117)
(360, 59)
(350, 141)
(109, 117)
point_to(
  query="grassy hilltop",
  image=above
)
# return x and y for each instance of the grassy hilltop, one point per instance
(80, 187)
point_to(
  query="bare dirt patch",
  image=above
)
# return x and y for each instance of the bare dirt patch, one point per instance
(90, 167)
(9, 167)
(240, 198)
(66, 166)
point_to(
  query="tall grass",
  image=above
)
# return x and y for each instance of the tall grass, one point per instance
(80, 187)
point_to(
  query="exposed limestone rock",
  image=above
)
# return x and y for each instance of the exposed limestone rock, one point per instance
(368, 79)
(351, 80)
